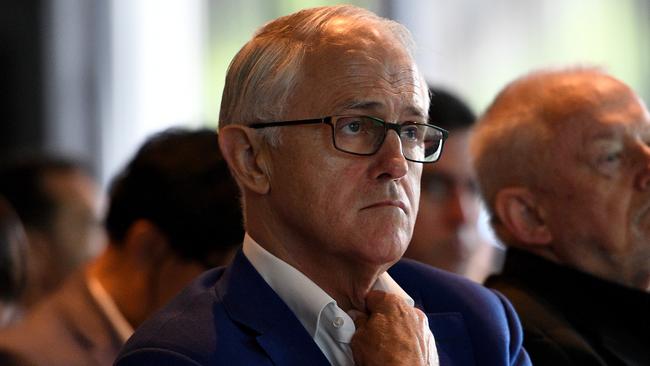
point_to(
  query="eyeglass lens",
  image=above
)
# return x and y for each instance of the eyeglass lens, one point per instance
(364, 135)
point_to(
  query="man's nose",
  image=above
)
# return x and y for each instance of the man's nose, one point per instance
(457, 210)
(643, 178)
(391, 157)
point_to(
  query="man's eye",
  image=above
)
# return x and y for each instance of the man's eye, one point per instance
(609, 163)
(612, 157)
(352, 127)
(410, 132)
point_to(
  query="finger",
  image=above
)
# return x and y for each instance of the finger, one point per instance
(360, 319)
(421, 316)
(427, 341)
(383, 302)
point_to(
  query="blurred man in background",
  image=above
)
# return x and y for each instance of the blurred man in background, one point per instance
(563, 162)
(58, 203)
(446, 231)
(13, 264)
(173, 212)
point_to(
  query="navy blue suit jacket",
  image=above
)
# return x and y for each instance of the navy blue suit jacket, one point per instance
(230, 316)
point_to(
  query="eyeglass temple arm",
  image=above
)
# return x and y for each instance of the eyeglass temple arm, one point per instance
(287, 123)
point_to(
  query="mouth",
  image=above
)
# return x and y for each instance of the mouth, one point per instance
(389, 203)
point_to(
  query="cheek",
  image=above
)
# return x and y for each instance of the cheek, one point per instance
(603, 220)
(411, 186)
(640, 235)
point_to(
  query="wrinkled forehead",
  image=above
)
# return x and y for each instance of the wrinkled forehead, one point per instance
(602, 110)
(368, 61)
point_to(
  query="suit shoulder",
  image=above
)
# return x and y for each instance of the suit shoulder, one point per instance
(425, 282)
(185, 326)
(438, 291)
(483, 317)
(549, 337)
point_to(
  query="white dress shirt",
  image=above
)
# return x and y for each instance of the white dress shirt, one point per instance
(109, 308)
(329, 326)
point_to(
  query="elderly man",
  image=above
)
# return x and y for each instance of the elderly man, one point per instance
(564, 164)
(330, 194)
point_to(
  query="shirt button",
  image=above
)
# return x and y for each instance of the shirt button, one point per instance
(338, 322)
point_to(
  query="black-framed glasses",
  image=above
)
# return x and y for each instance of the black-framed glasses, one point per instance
(363, 135)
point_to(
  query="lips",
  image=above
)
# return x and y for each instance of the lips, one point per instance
(389, 203)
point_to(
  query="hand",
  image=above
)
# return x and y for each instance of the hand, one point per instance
(392, 333)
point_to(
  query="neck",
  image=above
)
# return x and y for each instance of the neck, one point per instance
(347, 283)
(113, 272)
(138, 289)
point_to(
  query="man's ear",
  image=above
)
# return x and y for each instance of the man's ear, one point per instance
(145, 243)
(519, 211)
(242, 149)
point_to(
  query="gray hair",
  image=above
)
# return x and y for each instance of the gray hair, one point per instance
(263, 74)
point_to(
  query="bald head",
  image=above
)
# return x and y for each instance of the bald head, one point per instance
(512, 144)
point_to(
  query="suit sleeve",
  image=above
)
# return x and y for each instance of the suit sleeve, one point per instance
(155, 357)
(518, 355)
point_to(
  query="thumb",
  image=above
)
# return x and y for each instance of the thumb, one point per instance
(360, 319)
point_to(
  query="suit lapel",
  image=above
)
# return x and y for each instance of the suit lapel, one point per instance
(250, 301)
(452, 340)
(453, 343)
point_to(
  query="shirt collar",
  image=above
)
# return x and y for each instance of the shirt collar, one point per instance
(300, 293)
(109, 308)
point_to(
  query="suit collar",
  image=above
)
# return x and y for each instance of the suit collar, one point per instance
(251, 302)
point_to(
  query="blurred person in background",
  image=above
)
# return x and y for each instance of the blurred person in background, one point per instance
(58, 203)
(563, 161)
(446, 231)
(13, 264)
(173, 212)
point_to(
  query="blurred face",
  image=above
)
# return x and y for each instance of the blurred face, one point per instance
(357, 209)
(76, 230)
(598, 196)
(449, 207)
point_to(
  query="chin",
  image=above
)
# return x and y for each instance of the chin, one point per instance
(384, 252)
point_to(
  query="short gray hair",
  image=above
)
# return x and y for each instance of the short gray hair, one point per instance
(263, 74)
